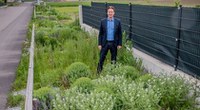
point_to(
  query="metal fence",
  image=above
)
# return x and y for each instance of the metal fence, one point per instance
(169, 34)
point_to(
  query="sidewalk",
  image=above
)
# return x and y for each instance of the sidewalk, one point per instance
(13, 28)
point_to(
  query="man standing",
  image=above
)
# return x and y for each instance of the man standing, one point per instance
(110, 37)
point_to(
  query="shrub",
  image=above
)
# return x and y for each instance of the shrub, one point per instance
(117, 69)
(46, 23)
(129, 95)
(51, 11)
(44, 91)
(50, 77)
(130, 72)
(54, 37)
(14, 100)
(174, 92)
(84, 83)
(109, 69)
(41, 38)
(52, 17)
(74, 99)
(135, 97)
(125, 54)
(77, 70)
(112, 82)
(62, 33)
(41, 8)
(45, 96)
(105, 89)
(63, 16)
(144, 78)
(45, 10)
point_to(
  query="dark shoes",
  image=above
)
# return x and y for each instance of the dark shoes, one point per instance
(99, 69)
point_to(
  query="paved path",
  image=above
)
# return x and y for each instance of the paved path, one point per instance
(13, 28)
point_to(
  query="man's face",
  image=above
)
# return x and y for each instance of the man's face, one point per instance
(110, 13)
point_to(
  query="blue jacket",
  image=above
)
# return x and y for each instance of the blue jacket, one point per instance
(103, 32)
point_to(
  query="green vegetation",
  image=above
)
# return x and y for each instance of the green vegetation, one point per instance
(67, 10)
(62, 50)
(22, 73)
(45, 95)
(65, 77)
(67, 4)
(122, 94)
(76, 70)
(1, 2)
(15, 3)
(173, 91)
(84, 84)
(118, 69)
(14, 100)
(22, 69)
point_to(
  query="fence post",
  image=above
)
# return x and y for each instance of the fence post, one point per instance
(91, 3)
(106, 6)
(130, 21)
(80, 15)
(178, 37)
(91, 12)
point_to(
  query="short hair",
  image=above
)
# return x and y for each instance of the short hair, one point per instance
(111, 7)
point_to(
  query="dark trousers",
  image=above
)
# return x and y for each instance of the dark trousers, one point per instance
(113, 50)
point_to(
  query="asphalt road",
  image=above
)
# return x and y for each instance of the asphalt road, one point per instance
(13, 29)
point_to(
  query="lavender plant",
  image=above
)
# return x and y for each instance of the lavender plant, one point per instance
(174, 91)
(73, 99)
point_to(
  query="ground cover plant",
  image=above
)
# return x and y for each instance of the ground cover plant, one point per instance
(69, 57)
(65, 77)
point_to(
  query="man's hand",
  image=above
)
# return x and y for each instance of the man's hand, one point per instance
(119, 46)
(99, 47)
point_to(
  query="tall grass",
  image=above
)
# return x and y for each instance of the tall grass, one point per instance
(59, 45)
(75, 47)
(67, 4)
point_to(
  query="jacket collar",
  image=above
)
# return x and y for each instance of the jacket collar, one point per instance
(111, 19)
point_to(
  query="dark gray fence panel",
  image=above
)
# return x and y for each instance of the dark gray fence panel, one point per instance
(98, 12)
(169, 34)
(154, 31)
(189, 58)
(122, 13)
(87, 16)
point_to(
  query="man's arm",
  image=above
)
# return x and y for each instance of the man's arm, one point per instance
(120, 35)
(100, 36)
